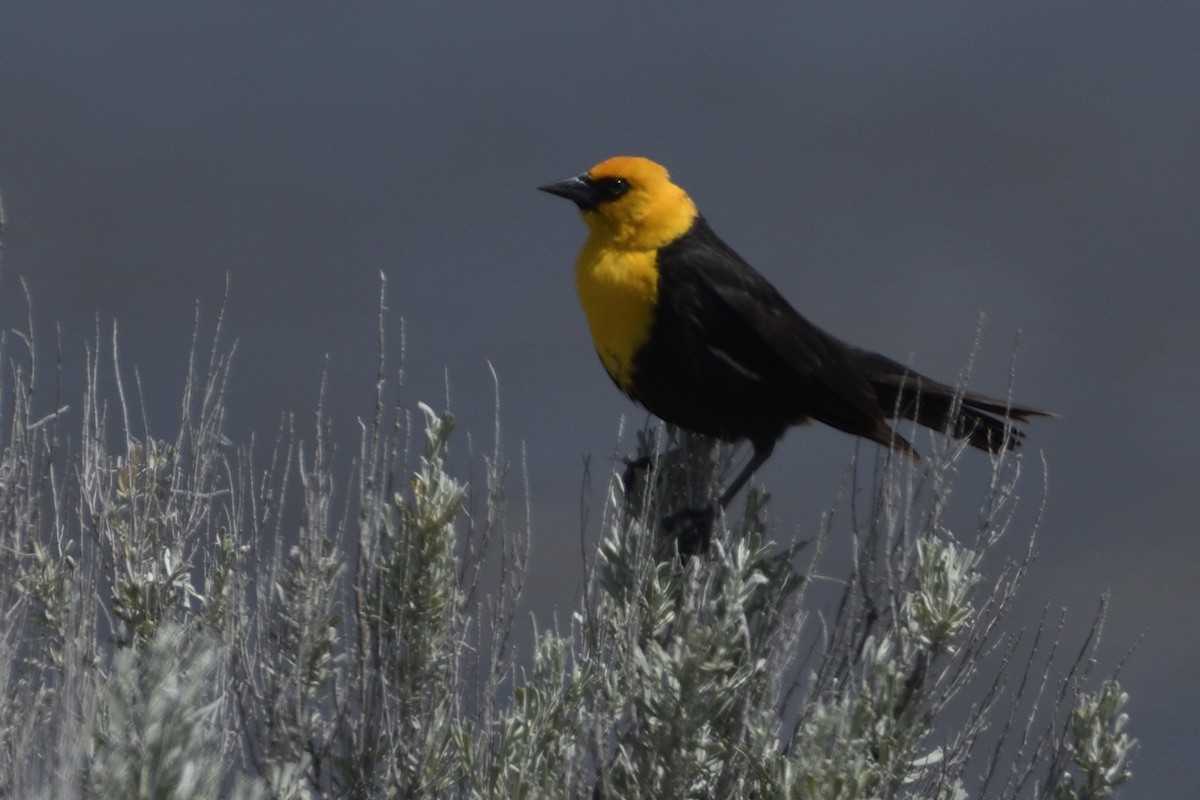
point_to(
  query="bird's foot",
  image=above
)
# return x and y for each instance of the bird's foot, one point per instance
(633, 469)
(694, 529)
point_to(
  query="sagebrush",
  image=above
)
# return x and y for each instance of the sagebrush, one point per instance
(187, 616)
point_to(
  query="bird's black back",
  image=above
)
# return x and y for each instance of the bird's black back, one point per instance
(728, 356)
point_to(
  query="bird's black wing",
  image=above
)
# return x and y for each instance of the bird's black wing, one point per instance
(738, 315)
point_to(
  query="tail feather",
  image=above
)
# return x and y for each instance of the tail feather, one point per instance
(985, 422)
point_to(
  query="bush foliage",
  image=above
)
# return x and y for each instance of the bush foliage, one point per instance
(184, 621)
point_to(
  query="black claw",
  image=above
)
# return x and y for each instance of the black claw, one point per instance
(630, 479)
(694, 529)
(634, 466)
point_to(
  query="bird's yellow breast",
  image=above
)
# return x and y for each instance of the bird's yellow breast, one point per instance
(618, 289)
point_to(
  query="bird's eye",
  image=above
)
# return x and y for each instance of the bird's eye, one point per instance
(612, 188)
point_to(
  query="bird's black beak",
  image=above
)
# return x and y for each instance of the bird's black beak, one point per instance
(580, 190)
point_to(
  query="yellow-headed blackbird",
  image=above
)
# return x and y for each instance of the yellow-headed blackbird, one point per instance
(698, 337)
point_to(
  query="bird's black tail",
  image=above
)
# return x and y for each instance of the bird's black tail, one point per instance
(986, 422)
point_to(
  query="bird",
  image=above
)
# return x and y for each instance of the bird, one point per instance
(697, 336)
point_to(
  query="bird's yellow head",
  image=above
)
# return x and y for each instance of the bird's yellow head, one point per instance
(629, 202)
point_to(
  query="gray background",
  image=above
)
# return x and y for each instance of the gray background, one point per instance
(894, 171)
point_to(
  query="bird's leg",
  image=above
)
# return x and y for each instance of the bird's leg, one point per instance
(757, 459)
(694, 525)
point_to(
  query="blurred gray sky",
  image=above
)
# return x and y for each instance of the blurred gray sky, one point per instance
(895, 171)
